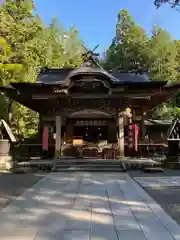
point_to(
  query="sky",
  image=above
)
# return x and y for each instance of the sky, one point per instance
(96, 19)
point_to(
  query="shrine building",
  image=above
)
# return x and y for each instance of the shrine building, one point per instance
(91, 105)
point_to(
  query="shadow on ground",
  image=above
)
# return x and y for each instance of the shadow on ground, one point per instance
(13, 185)
(82, 206)
(76, 204)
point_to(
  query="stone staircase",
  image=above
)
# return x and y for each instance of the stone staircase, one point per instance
(89, 165)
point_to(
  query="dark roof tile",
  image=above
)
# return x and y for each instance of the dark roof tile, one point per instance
(58, 75)
(130, 77)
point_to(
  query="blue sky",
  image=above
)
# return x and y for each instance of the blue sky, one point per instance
(96, 19)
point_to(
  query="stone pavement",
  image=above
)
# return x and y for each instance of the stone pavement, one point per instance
(13, 185)
(165, 190)
(86, 206)
(152, 182)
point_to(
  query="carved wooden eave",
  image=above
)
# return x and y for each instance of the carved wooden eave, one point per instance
(157, 98)
(93, 73)
(55, 88)
(89, 79)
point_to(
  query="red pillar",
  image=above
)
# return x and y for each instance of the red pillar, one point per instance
(45, 139)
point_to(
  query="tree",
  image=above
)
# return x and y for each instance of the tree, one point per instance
(132, 49)
(32, 45)
(159, 55)
(7, 72)
(7, 68)
(18, 27)
(162, 55)
(129, 48)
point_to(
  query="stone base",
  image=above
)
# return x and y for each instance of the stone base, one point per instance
(172, 158)
(153, 169)
(6, 162)
(172, 165)
(172, 162)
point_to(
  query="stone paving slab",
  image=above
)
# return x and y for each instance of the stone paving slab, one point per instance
(166, 181)
(86, 206)
(13, 185)
(165, 191)
(166, 173)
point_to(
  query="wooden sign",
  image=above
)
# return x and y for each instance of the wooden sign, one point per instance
(130, 128)
(91, 123)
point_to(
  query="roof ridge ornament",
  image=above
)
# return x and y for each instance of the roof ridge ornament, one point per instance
(90, 57)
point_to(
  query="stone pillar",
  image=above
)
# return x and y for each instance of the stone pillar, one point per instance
(121, 134)
(58, 136)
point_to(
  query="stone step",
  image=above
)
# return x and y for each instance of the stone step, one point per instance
(153, 169)
(107, 163)
(76, 169)
(89, 165)
(83, 164)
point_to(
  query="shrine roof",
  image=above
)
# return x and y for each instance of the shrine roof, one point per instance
(90, 77)
(61, 76)
(150, 122)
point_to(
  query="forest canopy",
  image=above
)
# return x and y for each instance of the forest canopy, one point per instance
(27, 44)
(157, 54)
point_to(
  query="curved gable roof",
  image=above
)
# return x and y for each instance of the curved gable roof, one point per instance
(54, 76)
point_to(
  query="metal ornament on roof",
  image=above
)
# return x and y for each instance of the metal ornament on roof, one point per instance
(90, 59)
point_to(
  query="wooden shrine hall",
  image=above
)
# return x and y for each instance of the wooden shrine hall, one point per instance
(90, 107)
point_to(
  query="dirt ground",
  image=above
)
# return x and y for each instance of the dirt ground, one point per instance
(13, 185)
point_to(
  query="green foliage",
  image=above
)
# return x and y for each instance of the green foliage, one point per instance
(129, 47)
(25, 121)
(159, 55)
(166, 111)
(162, 54)
(27, 45)
(7, 68)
